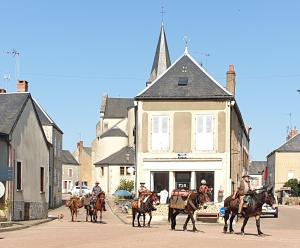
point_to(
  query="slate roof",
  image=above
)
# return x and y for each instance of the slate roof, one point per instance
(88, 150)
(257, 167)
(68, 158)
(11, 107)
(200, 85)
(117, 107)
(44, 117)
(292, 145)
(119, 158)
(114, 132)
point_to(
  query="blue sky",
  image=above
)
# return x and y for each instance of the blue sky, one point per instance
(72, 52)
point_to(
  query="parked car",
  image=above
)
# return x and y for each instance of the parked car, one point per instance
(269, 211)
(79, 191)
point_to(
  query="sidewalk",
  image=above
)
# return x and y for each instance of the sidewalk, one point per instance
(18, 225)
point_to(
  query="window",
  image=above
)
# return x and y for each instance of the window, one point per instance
(204, 133)
(65, 186)
(102, 171)
(19, 176)
(105, 125)
(70, 172)
(291, 175)
(160, 133)
(183, 81)
(122, 171)
(42, 176)
(127, 173)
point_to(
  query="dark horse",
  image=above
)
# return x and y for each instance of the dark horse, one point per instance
(195, 199)
(253, 210)
(147, 207)
(99, 206)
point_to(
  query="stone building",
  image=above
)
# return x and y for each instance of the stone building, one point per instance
(70, 171)
(189, 127)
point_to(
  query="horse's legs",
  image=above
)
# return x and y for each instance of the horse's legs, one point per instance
(133, 216)
(144, 219)
(230, 222)
(174, 219)
(138, 218)
(193, 221)
(226, 217)
(150, 218)
(257, 218)
(186, 222)
(101, 216)
(244, 224)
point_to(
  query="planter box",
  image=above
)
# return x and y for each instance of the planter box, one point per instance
(208, 217)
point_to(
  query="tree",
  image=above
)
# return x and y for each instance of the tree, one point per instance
(295, 187)
(126, 185)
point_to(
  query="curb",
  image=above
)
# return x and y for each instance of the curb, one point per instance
(24, 226)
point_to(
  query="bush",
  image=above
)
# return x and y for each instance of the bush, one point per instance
(295, 187)
(126, 185)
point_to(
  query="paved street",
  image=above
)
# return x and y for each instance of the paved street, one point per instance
(281, 232)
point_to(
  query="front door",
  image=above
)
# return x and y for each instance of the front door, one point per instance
(183, 180)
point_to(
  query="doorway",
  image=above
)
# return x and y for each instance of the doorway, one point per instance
(161, 181)
(182, 180)
(209, 177)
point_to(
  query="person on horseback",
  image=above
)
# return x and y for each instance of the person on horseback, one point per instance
(243, 189)
(143, 195)
(205, 189)
(95, 192)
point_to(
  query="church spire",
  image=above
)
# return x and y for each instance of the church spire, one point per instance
(161, 59)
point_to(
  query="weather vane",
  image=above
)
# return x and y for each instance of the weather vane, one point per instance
(186, 41)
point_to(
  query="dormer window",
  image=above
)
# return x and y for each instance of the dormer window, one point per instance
(183, 81)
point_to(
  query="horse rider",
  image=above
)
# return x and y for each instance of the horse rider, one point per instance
(95, 192)
(204, 189)
(142, 194)
(243, 189)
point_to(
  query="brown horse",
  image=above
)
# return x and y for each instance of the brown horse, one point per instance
(194, 201)
(147, 207)
(254, 209)
(99, 206)
(74, 204)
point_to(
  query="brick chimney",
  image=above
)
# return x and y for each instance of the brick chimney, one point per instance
(2, 91)
(22, 86)
(292, 133)
(230, 80)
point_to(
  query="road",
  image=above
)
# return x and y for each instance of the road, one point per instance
(281, 232)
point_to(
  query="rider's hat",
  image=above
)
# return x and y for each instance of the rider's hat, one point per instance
(245, 175)
(203, 181)
(142, 183)
(97, 182)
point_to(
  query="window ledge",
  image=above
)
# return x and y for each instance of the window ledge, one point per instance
(20, 190)
(42, 192)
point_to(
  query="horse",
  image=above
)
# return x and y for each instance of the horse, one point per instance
(89, 208)
(74, 204)
(194, 200)
(147, 207)
(99, 206)
(252, 210)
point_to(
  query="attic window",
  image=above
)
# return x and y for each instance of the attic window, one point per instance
(184, 68)
(183, 81)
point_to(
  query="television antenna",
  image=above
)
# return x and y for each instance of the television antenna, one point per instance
(14, 53)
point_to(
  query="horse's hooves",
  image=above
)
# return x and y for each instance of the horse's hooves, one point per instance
(231, 232)
(195, 230)
(242, 233)
(261, 235)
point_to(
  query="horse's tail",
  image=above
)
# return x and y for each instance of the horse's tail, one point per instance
(169, 214)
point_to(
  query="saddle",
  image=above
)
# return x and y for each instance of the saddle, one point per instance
(179, 198)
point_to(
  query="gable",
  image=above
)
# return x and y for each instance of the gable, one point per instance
(185, 79)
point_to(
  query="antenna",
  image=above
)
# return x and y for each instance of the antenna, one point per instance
(186, 41)
(291, 126)
(14, 53)
(206, 55)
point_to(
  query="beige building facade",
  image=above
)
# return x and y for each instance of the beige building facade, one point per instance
(189, 128)
(284, 163)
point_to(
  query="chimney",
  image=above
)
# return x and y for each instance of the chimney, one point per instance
(80, 146)
(22, 86)
(230, 80)
(292, 133)
(2, 91)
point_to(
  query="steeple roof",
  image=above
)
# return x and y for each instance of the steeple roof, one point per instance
(162, 57)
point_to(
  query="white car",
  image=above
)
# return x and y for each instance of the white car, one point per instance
(80, 191)
(269, 211)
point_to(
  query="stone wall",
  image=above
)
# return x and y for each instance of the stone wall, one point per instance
(30, 210)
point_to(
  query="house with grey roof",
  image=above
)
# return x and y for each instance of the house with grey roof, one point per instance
(70, 171)
(283, 163)
(257, 174)
(189, 127)
(54, 136)
(24, 156)
(113, 148)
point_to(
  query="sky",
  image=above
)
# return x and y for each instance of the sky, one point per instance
(74, 52)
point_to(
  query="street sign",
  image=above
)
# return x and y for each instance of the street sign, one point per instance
(222, 211)
(6, 174)
(2, 189)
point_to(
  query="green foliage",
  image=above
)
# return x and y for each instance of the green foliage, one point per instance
(6, 205)
(126, 185)
(293, 183)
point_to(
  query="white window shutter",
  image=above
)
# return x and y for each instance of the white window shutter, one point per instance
(155, 133)
(165, 132)
(204, 133)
